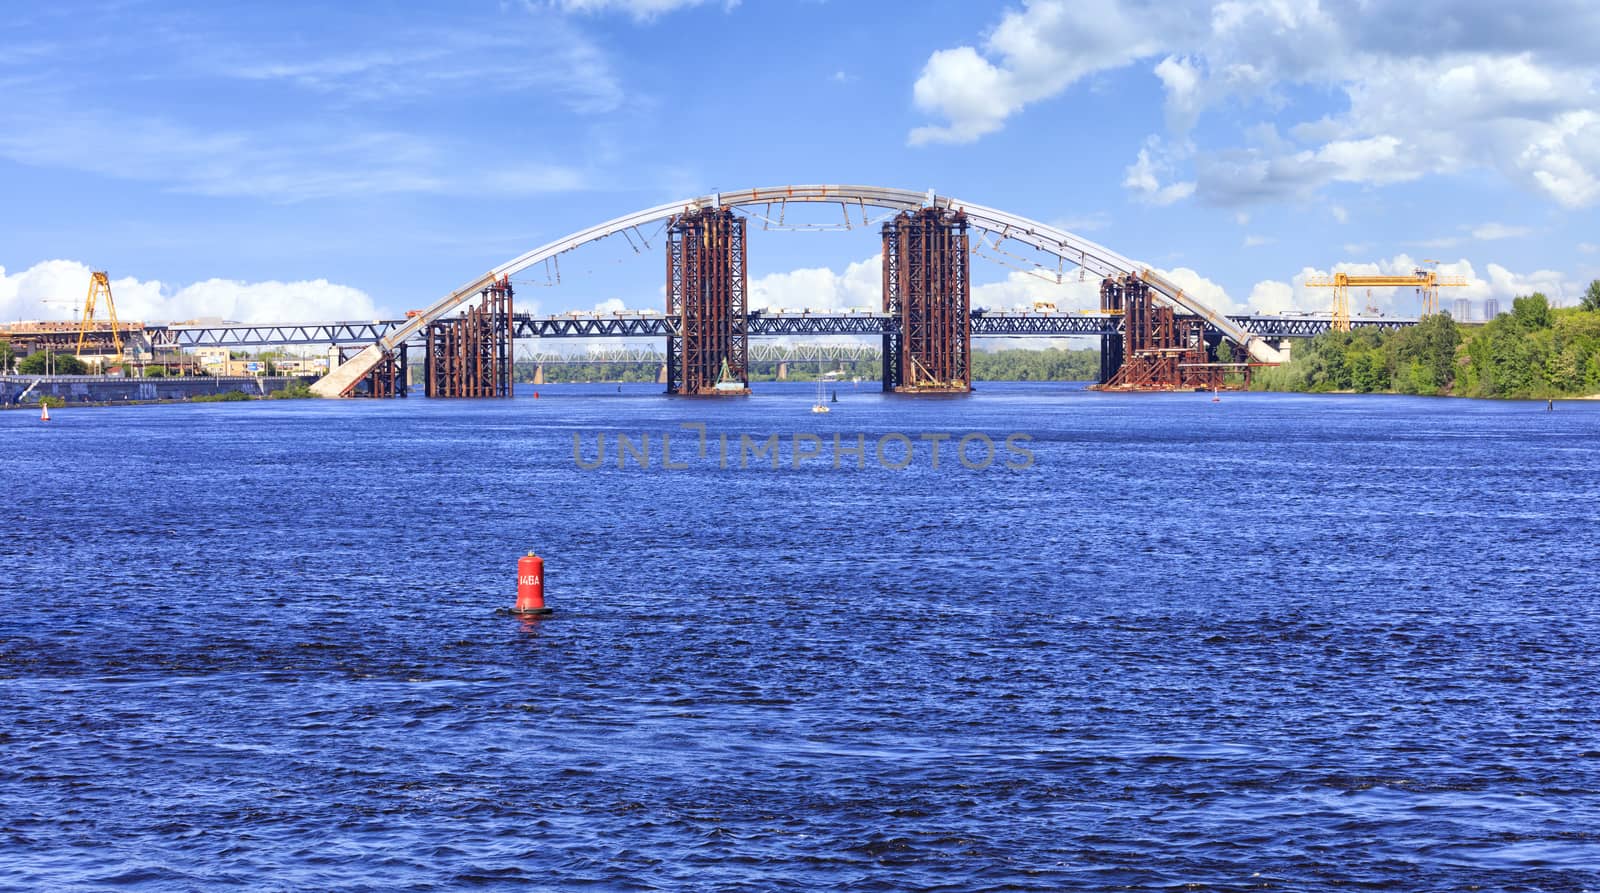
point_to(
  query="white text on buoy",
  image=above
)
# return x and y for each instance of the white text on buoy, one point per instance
(530, 586)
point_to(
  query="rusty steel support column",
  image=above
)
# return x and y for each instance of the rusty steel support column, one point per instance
(927, 291)
(471, 355)
(1157, 351)
(708, 352)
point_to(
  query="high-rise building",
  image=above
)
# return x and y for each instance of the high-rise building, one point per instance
(1463, 310)
(1491, 308)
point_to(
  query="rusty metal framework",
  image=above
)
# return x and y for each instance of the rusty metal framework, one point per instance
(1112, 295)
(708, 354)
(927, 347)
(1160, 351)
(470, 355)
(387, 379)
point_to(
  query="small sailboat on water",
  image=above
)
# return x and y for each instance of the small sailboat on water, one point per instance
(822, 384)
(44, 413)
(820, 406)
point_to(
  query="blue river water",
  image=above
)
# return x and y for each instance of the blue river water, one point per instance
(1275, 641)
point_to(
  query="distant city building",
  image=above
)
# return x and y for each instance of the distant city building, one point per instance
(1491, 308)
(1463, 310)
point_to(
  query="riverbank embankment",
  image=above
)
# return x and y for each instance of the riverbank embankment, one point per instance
(115, 390)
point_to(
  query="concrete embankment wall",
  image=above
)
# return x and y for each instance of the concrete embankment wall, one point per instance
(116, 389)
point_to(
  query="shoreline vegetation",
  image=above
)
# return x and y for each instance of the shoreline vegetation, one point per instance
(1016, 364)
(1534, 352)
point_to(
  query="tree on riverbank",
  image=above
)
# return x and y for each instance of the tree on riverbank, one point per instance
(1534, 351)
(1416, 360)
(42, 363)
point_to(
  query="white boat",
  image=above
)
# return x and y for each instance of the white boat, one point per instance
(819, 406)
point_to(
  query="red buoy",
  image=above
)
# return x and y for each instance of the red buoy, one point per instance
(530, 585)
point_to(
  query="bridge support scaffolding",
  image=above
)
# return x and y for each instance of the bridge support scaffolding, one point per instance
(1113, 304)
(928, 345)
(388, 378)
(470, 355)
(1157, 350)
(708, 351)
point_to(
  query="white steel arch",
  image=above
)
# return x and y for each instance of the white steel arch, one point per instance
(1095, 258)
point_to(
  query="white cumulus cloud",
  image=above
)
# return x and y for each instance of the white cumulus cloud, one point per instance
(1034, 53)
(1144, 177)
(1428, 87)
(820, 288)
(64, 284)
(1020, 290)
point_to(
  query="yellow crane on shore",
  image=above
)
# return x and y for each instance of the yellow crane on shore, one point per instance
(1427, 282)
(99, 284)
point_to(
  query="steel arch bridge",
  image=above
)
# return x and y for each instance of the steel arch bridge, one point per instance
(1089, 256)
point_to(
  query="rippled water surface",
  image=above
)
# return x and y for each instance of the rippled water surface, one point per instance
(1283, 642)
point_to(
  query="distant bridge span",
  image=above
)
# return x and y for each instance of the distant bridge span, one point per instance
(1090, 256)
(759, 353)
(987, 324)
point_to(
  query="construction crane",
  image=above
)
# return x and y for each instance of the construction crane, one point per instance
(1427, 282)
(99, 284)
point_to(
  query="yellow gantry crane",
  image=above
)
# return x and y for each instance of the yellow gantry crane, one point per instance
(99, 284)
(1427, 282)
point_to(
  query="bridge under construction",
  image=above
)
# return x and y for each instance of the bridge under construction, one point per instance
(926, 324)
(1152, 335)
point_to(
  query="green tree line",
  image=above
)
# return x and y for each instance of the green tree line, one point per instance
(1053, 364)
(1533, 351)
(42, 363)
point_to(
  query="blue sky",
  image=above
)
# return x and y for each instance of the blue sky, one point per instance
(288, 160)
